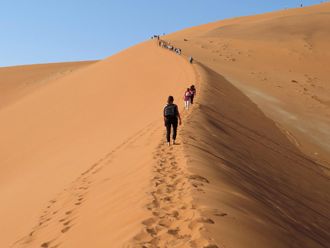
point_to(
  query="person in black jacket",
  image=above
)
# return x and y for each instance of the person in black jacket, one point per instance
(193, 93)
(171, 119)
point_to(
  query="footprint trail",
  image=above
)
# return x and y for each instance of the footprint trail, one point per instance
(175, 221)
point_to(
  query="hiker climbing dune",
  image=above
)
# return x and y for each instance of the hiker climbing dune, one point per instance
(171, 119)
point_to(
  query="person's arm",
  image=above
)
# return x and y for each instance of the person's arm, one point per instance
(178, 115)
(180, 122)
(164, 117)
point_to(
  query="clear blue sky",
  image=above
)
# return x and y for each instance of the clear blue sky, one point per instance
(43, 31)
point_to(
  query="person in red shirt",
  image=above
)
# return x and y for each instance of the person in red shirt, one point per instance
(187, 98)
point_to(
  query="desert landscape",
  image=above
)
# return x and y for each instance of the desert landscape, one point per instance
(84, 160)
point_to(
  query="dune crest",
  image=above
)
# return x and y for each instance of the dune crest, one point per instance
(262, 190)
(280, 61)
(84, 159)
(56, 133)
(259, 132)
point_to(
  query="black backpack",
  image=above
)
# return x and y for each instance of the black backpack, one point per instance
(170, 110)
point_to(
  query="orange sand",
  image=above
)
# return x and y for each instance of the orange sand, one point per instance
(18, 81)
(83, 160)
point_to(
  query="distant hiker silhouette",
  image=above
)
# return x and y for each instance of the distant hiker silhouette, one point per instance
(171, 119)
(192, 93)
(187, 98)
(190, 60)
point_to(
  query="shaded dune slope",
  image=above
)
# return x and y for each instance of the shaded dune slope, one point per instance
(262, 191)
(280, 60)
(85, 155)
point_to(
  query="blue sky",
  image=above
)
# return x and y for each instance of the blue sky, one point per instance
(44, 31)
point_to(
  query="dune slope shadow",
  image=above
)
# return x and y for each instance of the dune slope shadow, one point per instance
(274, 195)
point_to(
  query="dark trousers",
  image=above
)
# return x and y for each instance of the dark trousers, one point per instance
(171, 123)
(192, 99)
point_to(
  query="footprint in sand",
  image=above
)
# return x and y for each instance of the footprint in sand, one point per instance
(45, 245)
(64, 230)
(211, 246)
(68, 212)
(67, 223)
(221, 214)
(198, 178)
(176, 222)
(206, 220)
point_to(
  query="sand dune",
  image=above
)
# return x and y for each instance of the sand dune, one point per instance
(18, 81)
(52, 135)
(280, 61)
(268, 174)
(262, 190)
(83, 159)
